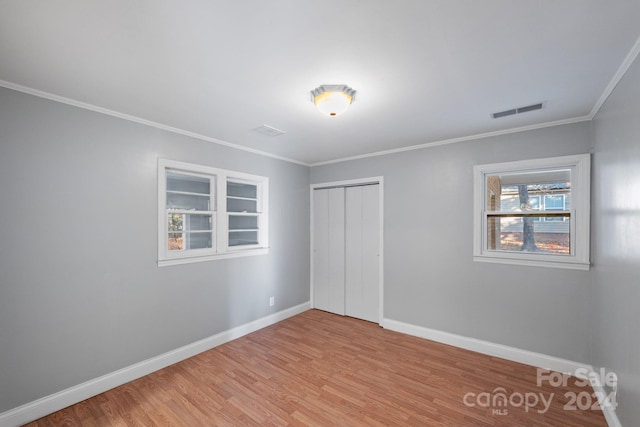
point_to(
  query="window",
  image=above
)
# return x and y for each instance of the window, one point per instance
(533, 212)
(207, 213)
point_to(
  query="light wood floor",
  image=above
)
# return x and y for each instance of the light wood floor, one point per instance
(321, 369)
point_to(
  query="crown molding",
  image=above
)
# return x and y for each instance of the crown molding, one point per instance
(139, 120)
(622, 70)
(456, 140)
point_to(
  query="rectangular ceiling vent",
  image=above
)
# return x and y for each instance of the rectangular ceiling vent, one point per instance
(519, 110)
(269, 130)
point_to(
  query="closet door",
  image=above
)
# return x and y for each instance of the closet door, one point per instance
(362, 253)
(328, 251)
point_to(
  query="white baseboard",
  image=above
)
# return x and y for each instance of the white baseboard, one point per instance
(527, 357)
(608, 411)
(514, 354)
(54, 402)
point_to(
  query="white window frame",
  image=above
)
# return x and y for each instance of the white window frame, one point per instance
(578, 259)
(220, 217)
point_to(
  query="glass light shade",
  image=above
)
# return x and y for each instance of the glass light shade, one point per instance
(333, 103)
(332, 100)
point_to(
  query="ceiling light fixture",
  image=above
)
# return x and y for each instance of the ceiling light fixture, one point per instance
(333, 100)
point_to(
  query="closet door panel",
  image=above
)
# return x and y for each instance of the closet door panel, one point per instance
(354, 263)
(336, 250)
(321, 249)
(362, 252)
(371, 252)
(329, 250)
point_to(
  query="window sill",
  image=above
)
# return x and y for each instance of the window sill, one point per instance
(571, 265)
(191, 260)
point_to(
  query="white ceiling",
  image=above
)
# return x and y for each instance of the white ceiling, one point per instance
(425, 71)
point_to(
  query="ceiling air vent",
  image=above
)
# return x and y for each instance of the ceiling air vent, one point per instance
(269, 130)
(504, 113)
(519, 110)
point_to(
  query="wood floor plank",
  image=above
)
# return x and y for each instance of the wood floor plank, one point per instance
(319, 369)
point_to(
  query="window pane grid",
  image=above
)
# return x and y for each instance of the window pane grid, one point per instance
(189, 215)
(243, 205)
(189, 231)
(547, 238)
(190, 228)
(527, 212)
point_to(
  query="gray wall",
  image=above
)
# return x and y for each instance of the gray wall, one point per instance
(430, 277)
(80, 292)
(616, 241)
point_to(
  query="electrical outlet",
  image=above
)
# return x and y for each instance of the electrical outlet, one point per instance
(272, 301)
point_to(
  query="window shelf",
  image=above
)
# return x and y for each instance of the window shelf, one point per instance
(188, 193)
(242, 198)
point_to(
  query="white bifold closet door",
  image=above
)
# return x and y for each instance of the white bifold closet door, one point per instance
(346, 231)
(328, 253)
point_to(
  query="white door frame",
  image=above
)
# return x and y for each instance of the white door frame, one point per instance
(352, 183)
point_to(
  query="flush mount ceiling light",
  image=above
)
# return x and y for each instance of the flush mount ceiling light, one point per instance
(333, 100)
